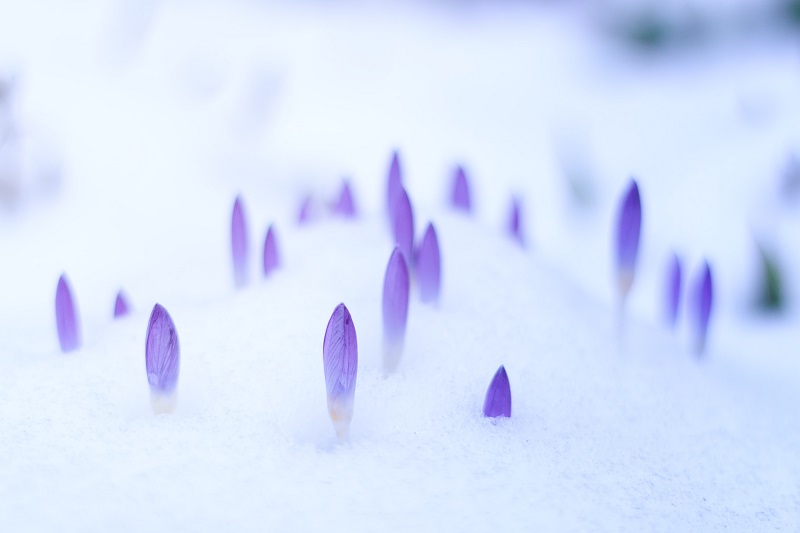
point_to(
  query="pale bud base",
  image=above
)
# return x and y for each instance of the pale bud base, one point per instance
(341, 412)
(392, 351)
(163, 403)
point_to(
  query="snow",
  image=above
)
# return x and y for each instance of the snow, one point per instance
(136, 143)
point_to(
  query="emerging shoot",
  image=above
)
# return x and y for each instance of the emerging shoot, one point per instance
(395, 310)
(162, 360)
(340, 361)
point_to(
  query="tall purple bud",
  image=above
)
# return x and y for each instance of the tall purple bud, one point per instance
(673, 290)
(395, 184)
(67, 322)
(162, 360)
(429, 269)
(340, 359)
(345, 206)
(629, 223)
(514, 222)
(121, 307)
(703, 302)
(395, 310)
(404, 225)
(461, 197)
(239, 246)
(271, 257)
(498, 397)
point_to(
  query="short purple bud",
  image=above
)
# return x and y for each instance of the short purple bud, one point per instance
(498, 397)
(162, 360)
(67, 322)
(271, 257)
(461, 197)
(673, 291)
(514, 222)
(404, 225)
(629, 223)
(340, 361)
(121, 307)
(345, 206)
(429, 269)
(304, 216)
(395, 310)
(703, 302)
(239, 247)
(394, 185)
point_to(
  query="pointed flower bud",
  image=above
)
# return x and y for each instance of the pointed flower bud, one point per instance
(629, 223)
(404, 225)
(162, 360)
(67, 322)
(673, 290)
(121, 307)
(304, 216)
(271, 258)
(345, 205)
(394, 185)
(428, 266)
(340, 360)
(239, 246)
(514, 222)
(461, 196)
(703, 302)
(498, 397)
(395, 310)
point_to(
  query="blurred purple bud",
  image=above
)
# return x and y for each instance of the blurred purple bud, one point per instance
(461, 197)
(121, 307)
(395, 309)
(271, 258)
(703, 302)
(673, 296)
(340, 360)
(66, 317)
(629, 222)
(162, 358)
(498, 397)
(345, 205)
(305, 211)
(395, 184)
(239, 247)
(428, 266)
(404, 225)
(514, 223)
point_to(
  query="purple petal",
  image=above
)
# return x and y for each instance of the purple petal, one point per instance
(340, 360)
(428, 266)
(514, 225)
(66, 317)
(461, 197)
(162, 353)
(629, 223)
(345, 205)
(703, 301)
(239, 244)
(404, 225)
(498, 397)
(121, 307)
(395, 309)
(673, 296)
(395, 184)
(271, 258)
(305, 211)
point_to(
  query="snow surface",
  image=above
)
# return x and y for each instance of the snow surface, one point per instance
(141, 121)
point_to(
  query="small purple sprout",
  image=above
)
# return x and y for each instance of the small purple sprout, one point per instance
(461, 196)
(395, 310)
(271, 258)
(703, 301)
(404, 225)
(162, 360)
(673, 296)
(345, 206)
(340, 360)
(428, 266)
(395, 184)
(121, 307)
(304, 216)
(629, 223)
(498, 397)
(239, 247)
(514, 222)
(66, 317)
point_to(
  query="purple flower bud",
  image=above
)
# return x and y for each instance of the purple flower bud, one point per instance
(345, 205)
(629, 222)
(514, 224)
(271, 258)
(162, 359)
(305, 211)
(673, 296)
(428, 266)
(461, 197)
(703, 301)
(498, 397)
(239, 247)
(121, 307)
(66, 317)
(404, 225)
(395, 184)
(395, 310)
(340, 359)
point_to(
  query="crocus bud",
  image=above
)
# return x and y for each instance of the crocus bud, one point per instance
(162, 360)
(629, 223)
(428, 266)
(340, 360)
(121, 307)
(271, 258)
(345, 205)
(239, 246)
(514, 223)
(461, 197)
(67, 322)
(673, 292)
(304, 216)
(498, 397)
(404, 225)
(395, 310)
(703, 302)
(394, 185)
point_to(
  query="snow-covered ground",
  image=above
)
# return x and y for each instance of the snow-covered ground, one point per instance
(139, 122)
